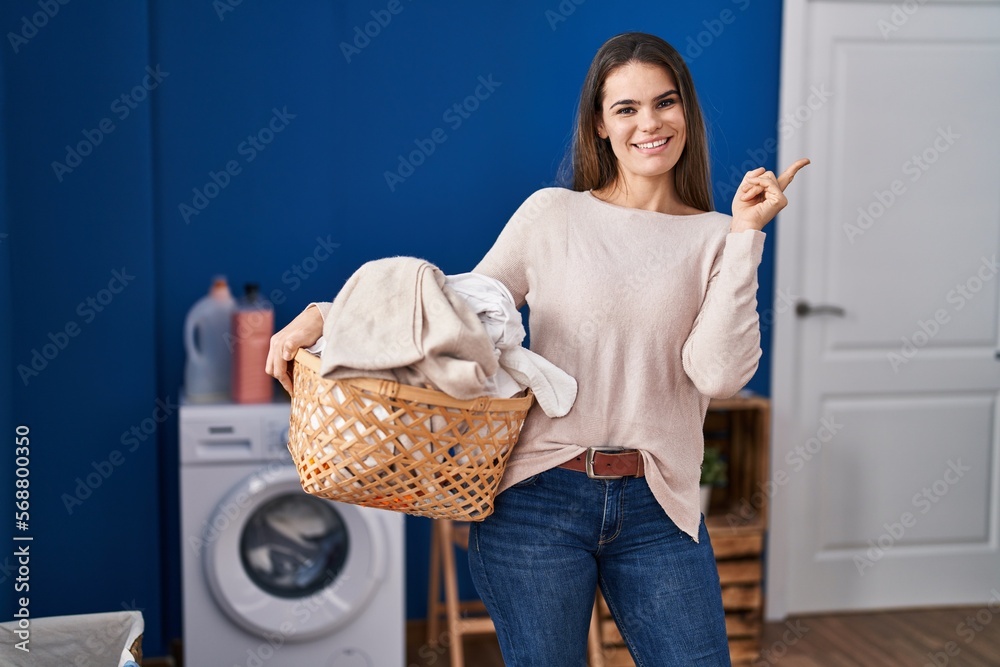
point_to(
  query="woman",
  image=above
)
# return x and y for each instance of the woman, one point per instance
(647, 297)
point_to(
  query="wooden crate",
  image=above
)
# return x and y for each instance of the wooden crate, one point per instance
(737, 517)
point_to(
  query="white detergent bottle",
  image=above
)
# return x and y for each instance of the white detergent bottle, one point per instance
(209, 363)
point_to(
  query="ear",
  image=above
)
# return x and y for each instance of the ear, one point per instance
(599, 126)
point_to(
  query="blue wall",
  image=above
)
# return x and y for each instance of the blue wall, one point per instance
(329, 121)
(82, 291)
(6, 328)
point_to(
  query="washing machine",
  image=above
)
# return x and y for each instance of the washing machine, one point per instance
(271, 575)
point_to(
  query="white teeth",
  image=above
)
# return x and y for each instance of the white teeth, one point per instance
(652, 144)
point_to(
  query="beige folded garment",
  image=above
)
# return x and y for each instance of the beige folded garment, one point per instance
(396, 318)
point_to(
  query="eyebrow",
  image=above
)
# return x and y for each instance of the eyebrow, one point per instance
(659, 97)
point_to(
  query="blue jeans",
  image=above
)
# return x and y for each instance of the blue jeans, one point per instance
(554, 537)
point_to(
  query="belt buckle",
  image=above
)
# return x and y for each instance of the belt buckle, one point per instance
(590, 462)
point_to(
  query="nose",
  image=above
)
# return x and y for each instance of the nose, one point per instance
(649, 121)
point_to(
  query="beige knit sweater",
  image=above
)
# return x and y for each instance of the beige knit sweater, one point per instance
(653, 314)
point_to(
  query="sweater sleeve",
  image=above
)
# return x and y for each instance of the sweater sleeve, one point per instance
(323, 307)
(508, 259)
(722, 351)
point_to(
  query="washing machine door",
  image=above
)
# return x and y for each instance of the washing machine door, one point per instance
(282, 562)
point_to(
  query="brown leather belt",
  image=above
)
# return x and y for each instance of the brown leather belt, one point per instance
(607, 464)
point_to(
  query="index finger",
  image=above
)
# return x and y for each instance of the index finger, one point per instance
(275, 366)
(787, 175)
(278, 367)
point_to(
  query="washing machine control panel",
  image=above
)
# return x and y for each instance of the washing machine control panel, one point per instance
(275, 435)
(229, 432)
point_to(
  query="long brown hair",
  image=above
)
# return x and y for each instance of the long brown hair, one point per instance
(594, 164)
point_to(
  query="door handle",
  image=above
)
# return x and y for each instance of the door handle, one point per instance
(804, 309)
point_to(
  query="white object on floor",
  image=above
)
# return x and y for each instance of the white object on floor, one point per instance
(57, 641)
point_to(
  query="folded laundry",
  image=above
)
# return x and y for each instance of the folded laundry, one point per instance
(491, 301)
(554, 389)
(401, 318)
(395, 316)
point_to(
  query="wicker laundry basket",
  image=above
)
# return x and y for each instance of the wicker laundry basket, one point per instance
(382, 444)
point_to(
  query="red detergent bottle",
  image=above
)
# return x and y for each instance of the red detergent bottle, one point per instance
(252, 328)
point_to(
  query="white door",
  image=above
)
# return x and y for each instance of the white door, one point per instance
(885, 463)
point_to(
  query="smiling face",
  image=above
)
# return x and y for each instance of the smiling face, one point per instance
(643, 117)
